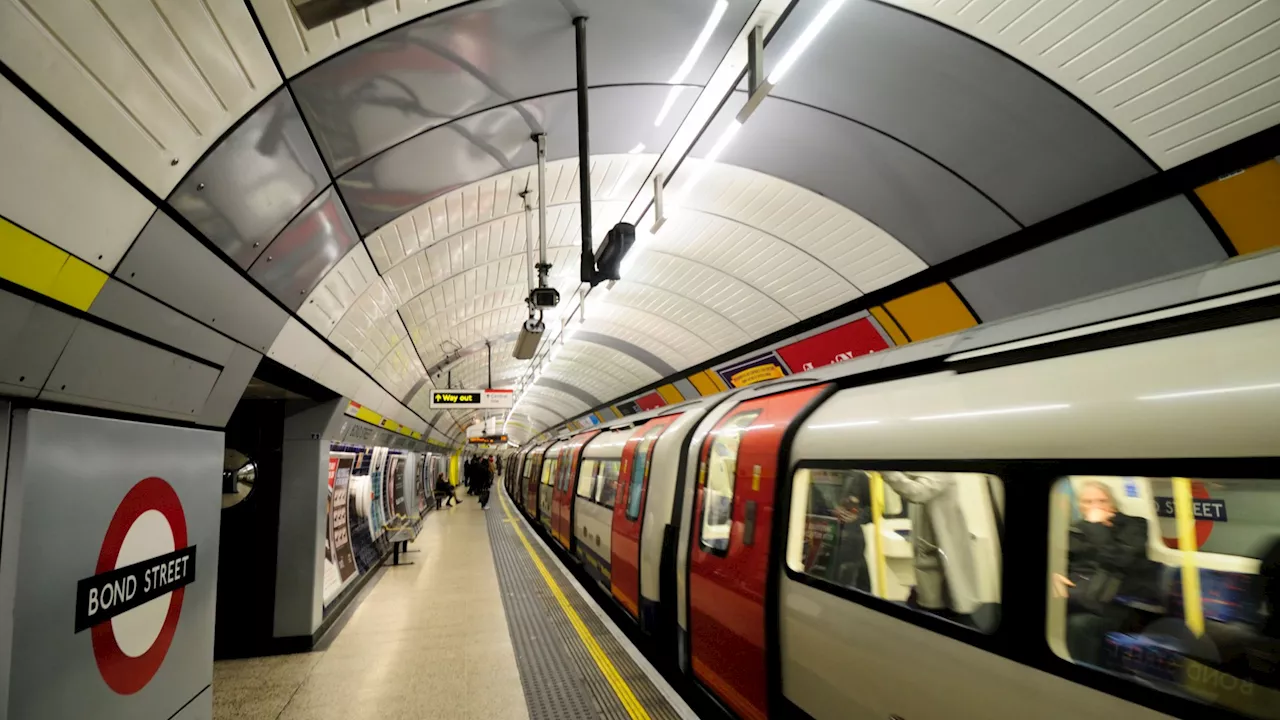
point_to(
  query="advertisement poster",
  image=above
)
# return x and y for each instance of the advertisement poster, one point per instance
(339, 545)
(629, 407)
(838, 344)
(754, 370)
(420, 483)
(399, 496)
(377, 504)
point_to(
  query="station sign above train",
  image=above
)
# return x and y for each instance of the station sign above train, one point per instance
(485, 399)
(487, 439)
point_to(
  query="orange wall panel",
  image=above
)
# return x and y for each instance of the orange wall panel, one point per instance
(1247, 206)
(931, 312)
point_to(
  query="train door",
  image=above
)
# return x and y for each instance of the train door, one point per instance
(729, 549)
(628, 513)
(531, 479)
(562, 522)
(546, 486)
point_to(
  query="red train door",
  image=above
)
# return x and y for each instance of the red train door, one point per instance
(566, 483)
(729, 549)
(628, 512)
(532, 480)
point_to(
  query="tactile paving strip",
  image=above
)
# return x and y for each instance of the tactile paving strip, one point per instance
(541, 634)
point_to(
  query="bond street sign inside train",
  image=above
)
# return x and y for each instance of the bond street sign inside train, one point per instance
(485, 399)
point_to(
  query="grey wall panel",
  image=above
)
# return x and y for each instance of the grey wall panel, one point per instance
(126, 307)
(492, 53)
(229, 388)
(33, 338)
(686, 389)
(247, 189)
(1157, 240)
(911, 197)
(69, 477)
(169, 264)
(7, 562)
(498, 140)
(102, 368)
(587, 398)
(1021, 139)
(306, 250)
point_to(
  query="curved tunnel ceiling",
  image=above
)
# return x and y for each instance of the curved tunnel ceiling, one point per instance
(377, 199)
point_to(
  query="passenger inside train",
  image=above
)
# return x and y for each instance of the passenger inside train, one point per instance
(927, 540)
(1171, 582)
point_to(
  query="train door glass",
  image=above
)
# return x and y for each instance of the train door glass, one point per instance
(926, 540)
(640, 471)
(1171, 582)
(549, 471)
(587, 479)
(607, 483)
(716, 473)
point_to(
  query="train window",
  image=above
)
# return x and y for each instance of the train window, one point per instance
(717, 474)
(549, 471)
(587, 479)
(640, 470)
(607, 482)
(927, 540)
(1171, 582)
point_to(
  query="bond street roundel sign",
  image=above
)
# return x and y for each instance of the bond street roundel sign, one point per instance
(132, 603)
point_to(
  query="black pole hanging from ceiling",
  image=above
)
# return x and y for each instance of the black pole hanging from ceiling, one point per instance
(489, 349)
(584, 150)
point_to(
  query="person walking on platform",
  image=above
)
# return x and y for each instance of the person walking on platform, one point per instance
(486, 481)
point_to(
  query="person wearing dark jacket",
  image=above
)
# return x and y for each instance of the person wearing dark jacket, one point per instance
(485, 480)
(1106, 557)
(445, 490)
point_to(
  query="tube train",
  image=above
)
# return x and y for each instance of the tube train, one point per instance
(1073, 523)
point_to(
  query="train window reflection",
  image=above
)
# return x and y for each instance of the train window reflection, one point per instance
(927, 540)
(718, 474)
(587, 479)
(1172, 583)
(607, 482)
(549, 471)
(640, 470)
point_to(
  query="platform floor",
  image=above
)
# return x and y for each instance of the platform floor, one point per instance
(475, 628)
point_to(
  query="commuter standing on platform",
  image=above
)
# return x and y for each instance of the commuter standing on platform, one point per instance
(486, 481)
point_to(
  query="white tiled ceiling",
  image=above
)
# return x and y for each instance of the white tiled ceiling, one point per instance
(153, 83)
(1180, 78)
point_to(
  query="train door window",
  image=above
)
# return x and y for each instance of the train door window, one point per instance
(549, 471)
(587, 479)
(607, 483)
(926, 540)
(1172, 582)
(640, 470)
(566, 470)
(717, 473)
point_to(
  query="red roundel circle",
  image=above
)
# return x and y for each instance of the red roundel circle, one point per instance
(123, 673)
(1204, 528)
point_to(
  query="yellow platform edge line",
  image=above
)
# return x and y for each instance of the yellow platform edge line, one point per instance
(605, 665)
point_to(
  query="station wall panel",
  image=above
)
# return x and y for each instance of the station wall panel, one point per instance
(930, 312)
(306, 250)
(53, 186)
(120, 304)
(670, 394)
(229, 388)
(1157, 240)
(154, 84)
(686, 388)
(1247, 206)
(34, 336)
(889, 325)
(102, 368)
(169, 264)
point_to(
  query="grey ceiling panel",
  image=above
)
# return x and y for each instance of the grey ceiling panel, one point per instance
(587, 398)
(120, 304)
(102, 368)
(34, 336)
(229, 388)
(167, 263)
(654, 362)
(254, 181)
(498, 140)
(919, 202)
(306, 250)
(1020, 138)
(1160, 239)
(493, 53)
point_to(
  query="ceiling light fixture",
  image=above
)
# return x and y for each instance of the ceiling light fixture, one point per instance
(804, 41)
(686, 67)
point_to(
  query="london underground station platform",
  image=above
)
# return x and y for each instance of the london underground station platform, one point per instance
(485, 623)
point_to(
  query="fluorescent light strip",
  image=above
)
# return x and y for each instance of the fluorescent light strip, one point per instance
(686, 67)
(1213, 391)
(805, 40)
(1002, 411)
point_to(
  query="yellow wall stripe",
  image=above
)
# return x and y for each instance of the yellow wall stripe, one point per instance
(703, 384)
(38, 265)
(931, 312)
(628, 699)
(670, 394)
(1247, 206)
(890, 326)
(369, 416)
